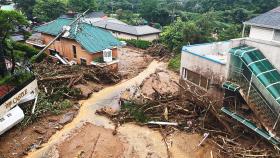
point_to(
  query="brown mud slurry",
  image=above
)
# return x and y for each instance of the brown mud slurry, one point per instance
(92, 141)
(18, 141)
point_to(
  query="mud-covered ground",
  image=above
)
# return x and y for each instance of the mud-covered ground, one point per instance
(20, 140)
(92, 135)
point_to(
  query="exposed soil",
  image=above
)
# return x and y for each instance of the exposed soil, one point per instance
(132, 61)
(20, 140)
(92, 141)
(186, 146)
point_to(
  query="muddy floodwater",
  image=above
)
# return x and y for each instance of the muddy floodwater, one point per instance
(91, 135)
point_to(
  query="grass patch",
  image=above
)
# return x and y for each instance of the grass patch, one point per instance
(142, 44)
(175, 63)
(53, 104)
(135, 112)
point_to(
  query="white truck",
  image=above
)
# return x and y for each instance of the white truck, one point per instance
(10, 112)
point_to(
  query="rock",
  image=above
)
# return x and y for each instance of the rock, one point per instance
(86, 91)
(67, 118)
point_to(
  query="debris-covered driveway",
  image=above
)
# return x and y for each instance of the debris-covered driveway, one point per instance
(107, 97)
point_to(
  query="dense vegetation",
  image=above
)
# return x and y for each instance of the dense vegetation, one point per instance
(182, 21)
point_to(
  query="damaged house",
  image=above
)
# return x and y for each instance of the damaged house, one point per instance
(83, 44)
(243, 72)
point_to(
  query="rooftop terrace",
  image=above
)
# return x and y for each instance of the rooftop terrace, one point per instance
(216, 52)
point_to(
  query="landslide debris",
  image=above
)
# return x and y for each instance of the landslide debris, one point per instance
(164, 104)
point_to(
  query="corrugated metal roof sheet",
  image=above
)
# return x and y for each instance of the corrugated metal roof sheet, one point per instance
(269, 19)
(91, 38)
(129, 29)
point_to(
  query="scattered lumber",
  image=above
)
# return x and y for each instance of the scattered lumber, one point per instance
(196, 113)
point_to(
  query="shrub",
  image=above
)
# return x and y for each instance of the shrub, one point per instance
(138, 43)
(99, 60)
(29, 50)
(174, 63)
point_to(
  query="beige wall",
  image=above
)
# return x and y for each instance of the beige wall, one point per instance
(65, 48)
(261, 33)
(123, 35)
(150, 37)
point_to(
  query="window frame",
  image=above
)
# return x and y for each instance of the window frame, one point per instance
(199, 78)
(74, 51)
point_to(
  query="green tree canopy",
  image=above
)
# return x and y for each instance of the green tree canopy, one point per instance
(26, 6)
(10, 21)
(47, 10)
(82, 5)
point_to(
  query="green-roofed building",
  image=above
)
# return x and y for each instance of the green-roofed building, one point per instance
(82, 44)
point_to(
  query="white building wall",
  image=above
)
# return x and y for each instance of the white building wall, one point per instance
(128, 36)
(261, 33)
(215, 71)
(149, 37)
(123, 35)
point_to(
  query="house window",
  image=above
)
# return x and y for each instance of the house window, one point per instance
(193, 77)
(276, 35)
(196, 78)
(74, 51)
(83, 61)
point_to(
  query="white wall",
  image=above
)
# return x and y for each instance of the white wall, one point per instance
(123, 35)
(215, 71)
(149, 37)
(261, 33)
(212, 70)
(128, 36)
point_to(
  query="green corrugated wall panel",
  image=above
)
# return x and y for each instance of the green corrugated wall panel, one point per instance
(252, 56)
(92, 38)
(261, 68)
(275, 90)
(251, 125)
(269, 78)
(231, 86)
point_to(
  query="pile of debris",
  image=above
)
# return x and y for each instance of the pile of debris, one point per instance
(158, 50)
(161, 104)
(61, 86)
(52, 76)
